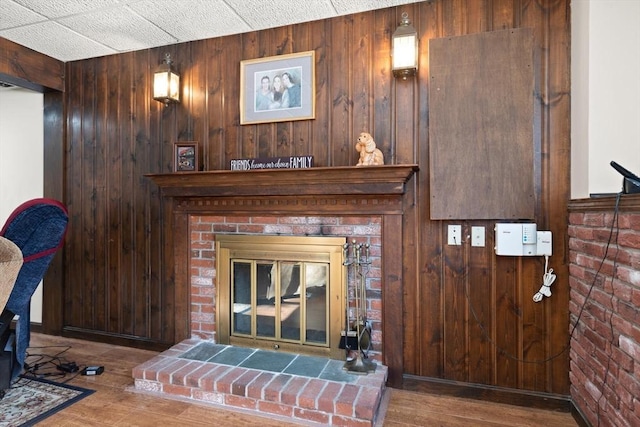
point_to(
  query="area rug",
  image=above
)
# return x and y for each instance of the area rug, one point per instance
(30, 400)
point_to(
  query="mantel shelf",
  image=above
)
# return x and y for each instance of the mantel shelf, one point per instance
(372, 180)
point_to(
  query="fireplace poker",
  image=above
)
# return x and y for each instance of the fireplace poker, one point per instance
(361, 364)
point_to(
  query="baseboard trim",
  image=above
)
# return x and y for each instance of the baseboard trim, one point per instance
(530, 399)
(578, 415)
(115, 339)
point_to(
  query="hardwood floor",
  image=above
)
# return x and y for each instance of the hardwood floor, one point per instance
(114, 404)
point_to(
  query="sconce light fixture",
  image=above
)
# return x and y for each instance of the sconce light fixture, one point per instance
(404, 49)
(166, 83)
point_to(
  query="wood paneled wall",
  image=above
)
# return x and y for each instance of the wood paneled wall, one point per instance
(468, 314)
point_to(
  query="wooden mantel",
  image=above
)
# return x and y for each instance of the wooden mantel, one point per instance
(373, 180)
(388, 191)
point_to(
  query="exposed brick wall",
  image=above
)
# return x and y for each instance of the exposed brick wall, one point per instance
(363, 229)
(605, 346)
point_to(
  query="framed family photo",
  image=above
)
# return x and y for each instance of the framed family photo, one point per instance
(278, 88)
(185, 157)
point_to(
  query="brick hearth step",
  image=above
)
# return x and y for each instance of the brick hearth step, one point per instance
(309, 389)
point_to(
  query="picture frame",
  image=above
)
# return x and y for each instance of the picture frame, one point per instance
(185, 157)
(278, 88)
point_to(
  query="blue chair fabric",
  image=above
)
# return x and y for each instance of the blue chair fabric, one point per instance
(38, 228)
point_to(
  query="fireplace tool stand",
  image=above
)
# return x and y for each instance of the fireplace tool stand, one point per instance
(357, 334)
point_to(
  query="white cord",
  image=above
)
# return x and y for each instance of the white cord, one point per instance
(547, 280)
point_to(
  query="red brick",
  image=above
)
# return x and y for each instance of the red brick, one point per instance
(310, 393)
(576, 218)
(251, 228)
(346, 399)
(367, 403)
(255, 388)
(275, 408)
(225, 228)
(239, 386)
(176, 390)
(224, 383)
(148, 370)
(338, 420)
(594, 219)
(326, 400)
(274, 388)
(263, 220)
(208, 381)
(291, 392)
(240, 401)
(193, 378)
(179, 377)
(197, 262)
(165, 375)
(309, 415)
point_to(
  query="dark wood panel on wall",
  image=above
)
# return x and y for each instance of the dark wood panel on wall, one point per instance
(468, 315)
(481, 325)
(481, 126)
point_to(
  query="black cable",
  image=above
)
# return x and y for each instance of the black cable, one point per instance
(54, 366)
(613, 276)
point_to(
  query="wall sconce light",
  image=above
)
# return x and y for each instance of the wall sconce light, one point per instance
(404, 49)
(166, 83)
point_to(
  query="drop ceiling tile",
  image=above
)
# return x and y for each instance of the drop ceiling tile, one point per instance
(201, 20)
(345, 7)
(56, 41)
(14, 15)
(101, 27)
(261, 14)
(58, 8)
(120, 29)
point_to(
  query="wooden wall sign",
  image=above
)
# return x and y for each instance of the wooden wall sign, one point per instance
(291, 162)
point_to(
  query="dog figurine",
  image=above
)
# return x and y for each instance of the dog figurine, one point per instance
(369, 154)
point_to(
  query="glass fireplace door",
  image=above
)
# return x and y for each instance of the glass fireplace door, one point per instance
(280, 300)
(280, 292)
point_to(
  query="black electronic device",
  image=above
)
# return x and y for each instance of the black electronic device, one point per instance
(630, 182)
(70, 367)
(92, 370)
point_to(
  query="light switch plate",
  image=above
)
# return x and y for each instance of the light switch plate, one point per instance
(454, 235)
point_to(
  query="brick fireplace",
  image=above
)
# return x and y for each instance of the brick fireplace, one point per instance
(365, 204)
(204, 229)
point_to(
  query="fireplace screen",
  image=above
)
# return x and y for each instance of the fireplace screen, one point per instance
(280, 292)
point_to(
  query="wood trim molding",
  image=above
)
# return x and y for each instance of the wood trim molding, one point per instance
(628, 203)
(27, 68)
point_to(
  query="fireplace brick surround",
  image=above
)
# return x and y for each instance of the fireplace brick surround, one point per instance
(361, 203)
(363, 229)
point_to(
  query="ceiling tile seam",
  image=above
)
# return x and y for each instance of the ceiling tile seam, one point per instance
(175, 39)
(83, 13)
(238, 14)
(335, 9)
(44, 17)
(82, 36)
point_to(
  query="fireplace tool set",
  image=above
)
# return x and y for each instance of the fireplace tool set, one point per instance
(356, 338)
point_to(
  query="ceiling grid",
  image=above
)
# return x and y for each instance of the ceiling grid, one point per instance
(71, 30)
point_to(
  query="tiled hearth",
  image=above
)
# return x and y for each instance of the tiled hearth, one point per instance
(305, 389)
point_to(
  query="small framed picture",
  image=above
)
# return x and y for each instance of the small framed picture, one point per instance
(185, 157)
(278, 88)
